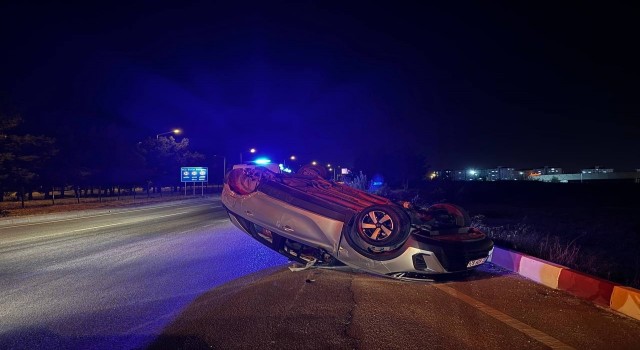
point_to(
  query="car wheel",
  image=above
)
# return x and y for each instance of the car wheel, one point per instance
(450, 214)
(242, 183)
(380, 228)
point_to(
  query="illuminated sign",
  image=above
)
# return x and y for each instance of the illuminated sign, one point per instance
(194, 174)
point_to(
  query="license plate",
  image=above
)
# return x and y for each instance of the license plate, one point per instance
(476, 262)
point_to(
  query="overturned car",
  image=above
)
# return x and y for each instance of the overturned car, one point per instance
(314, 221)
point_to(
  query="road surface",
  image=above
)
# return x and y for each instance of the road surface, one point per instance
(179, 275)
(115, 280)
(330, 309)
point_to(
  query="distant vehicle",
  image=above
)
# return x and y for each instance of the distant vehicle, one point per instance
(314, 221)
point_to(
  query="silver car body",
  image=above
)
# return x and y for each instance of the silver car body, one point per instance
(285, 215)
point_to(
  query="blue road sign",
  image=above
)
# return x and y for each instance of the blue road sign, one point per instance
(194, 174)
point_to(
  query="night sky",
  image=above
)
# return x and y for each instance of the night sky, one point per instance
(466, 84)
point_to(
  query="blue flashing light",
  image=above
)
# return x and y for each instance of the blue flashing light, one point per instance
(376, 182)
(262, 161)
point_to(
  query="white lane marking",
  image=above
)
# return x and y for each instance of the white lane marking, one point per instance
(105, 214)
(542, 337)
(81, 229)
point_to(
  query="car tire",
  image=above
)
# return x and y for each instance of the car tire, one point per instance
(458, 216)
(380, 229)
(241, 183)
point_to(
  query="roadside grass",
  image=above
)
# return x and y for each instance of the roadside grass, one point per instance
(592, 228)
(575, 239)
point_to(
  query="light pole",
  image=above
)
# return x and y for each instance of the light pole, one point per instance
(252, 150)
(334, 173)
(332, 169)
(292, 158)
(174, 131)
(224, 167)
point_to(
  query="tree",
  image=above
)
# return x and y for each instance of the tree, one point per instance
(100, 155)
(164, 156)
(22, 157)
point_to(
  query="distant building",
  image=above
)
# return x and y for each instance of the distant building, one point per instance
(442, 175)
(493, 174)
(508, 174)
(534, 174)
(521, 174)
(546, 174)
(457, 175)
(547, 170)
(552, 170)
(591, 177)
(597, 170)
(501, 173)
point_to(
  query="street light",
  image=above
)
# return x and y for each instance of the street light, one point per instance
(252, 150)
(292, 158)
(174, 131)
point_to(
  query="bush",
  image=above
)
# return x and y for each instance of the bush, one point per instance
(359, 182)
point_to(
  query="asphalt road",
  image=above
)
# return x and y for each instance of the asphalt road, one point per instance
(331, 309)
(115, 280)
(180, 275)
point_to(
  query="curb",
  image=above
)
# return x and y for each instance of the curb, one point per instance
(617, 297)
